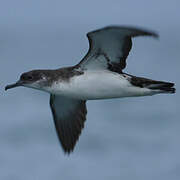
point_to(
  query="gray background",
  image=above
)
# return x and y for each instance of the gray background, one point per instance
(128, 139)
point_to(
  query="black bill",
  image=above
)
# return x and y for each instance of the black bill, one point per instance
(19, 83)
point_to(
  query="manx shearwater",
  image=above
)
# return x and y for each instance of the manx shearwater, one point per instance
(99, 75)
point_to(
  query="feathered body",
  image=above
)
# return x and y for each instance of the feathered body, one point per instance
(99, 75)
(92, 85)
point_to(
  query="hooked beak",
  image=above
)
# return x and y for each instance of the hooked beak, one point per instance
(18, 83)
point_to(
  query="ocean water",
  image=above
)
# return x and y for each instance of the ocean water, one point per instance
(130, 138)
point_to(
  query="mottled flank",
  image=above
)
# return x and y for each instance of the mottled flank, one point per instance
(152, 84)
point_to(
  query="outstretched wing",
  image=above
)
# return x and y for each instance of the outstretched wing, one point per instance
(110, 46)
(69, 117)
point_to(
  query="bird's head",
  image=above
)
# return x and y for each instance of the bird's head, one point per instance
(36, 79)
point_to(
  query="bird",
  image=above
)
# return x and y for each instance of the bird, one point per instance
(99, 75)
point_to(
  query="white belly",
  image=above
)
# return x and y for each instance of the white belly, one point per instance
(98, 85)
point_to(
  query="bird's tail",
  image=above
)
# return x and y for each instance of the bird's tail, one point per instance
(164, 87)
(160, 86)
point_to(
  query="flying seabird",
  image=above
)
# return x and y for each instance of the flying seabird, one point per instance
(99, 75)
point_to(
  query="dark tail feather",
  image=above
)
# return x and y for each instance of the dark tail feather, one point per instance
(164, 87)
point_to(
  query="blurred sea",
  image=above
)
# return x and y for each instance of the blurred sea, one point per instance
(128, 139)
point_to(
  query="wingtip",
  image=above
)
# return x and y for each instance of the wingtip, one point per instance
(155, 35)
(136, 30)
(67, 153)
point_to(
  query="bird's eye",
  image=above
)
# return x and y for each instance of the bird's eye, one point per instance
(29, 77)
(26, 77)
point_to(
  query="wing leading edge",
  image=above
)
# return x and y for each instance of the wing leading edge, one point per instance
(110, 46)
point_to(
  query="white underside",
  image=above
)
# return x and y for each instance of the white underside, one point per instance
(98, 85)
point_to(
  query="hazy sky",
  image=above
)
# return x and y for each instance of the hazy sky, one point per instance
(124, 139)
